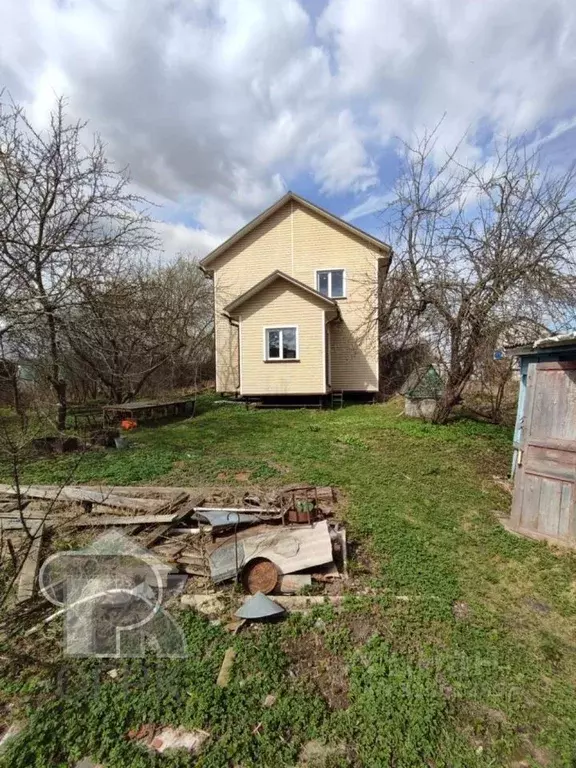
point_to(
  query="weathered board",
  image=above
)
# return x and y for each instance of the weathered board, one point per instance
(182, 512)
(77, 493)
(544, 490)
(100, 520)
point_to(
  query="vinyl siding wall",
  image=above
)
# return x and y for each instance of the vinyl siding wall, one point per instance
(282, 305)
(354, 341)
(299, 242)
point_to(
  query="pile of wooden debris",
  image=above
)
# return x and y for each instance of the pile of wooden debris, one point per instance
(279, 542)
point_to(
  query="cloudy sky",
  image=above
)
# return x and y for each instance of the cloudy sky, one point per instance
(219, 106)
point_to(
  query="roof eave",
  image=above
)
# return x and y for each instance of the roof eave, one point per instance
(267, 282)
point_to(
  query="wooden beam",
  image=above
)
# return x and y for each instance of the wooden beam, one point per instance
(77, 493)
(38, 515)
(16, 524)
(102, 520)
(10, 506)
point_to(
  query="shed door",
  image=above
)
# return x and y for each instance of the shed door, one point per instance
(544, 491)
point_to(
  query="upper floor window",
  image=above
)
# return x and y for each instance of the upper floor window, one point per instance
(331, 283)
(281, 343)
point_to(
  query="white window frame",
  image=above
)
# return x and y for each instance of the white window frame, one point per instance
(281, 328)
(330, 270)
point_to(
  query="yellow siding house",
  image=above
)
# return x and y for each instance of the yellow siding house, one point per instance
(295, 301)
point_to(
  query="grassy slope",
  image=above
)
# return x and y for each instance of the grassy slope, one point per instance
(492, 687)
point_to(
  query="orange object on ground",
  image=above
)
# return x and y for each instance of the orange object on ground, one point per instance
(128, 423)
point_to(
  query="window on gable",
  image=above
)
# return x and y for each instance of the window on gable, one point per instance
(331, 283)
(282, 343)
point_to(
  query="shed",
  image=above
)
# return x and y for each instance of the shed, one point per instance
(422, 390)
(544, 462)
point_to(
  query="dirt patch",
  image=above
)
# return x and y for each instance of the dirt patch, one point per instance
(460, 610)
(313, 663)
(528, 753)
(360, 561)
(537, 606)
(361, 629)
(317, 755)
(486, 726)
(242, 477)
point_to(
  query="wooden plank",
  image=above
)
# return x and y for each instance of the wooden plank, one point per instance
(292, 583)
(10, 506)
(551, 471)
(566, 508)
(14, 524)
(530, 502)
(130, 530)
(182, 512)
(554, 443)
(567, 428)
(549, 507)
(23, 515)
(77, 493)
(29, 572)
(154, 492)
(101, 520)
(548, 458)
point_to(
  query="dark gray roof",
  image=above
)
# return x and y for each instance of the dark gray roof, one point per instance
(423, 383)
(548, 343)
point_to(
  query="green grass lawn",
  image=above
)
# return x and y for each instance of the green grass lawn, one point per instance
(474, 665)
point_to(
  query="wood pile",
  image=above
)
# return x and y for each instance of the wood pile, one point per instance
(201, 538)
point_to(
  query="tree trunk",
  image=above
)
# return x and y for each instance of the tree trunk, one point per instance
(444, 407)
(56, 380)
(16, 398)
(60, 389)
(450, 398)
(497, 401)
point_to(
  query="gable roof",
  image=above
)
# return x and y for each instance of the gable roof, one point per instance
(272, 277)
(291, 196)
(423, 383)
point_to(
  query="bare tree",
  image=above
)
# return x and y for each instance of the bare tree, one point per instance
(139, 323)
(403, 322)
(493, 380)
(479, 246)
(64, 213)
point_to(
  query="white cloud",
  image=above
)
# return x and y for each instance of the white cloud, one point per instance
(505, 65)
(220, 105)
(177, 239)
(372, 204)
(211, 103)
(341, 162)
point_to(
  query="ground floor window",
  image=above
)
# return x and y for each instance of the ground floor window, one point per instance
(281, 343)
